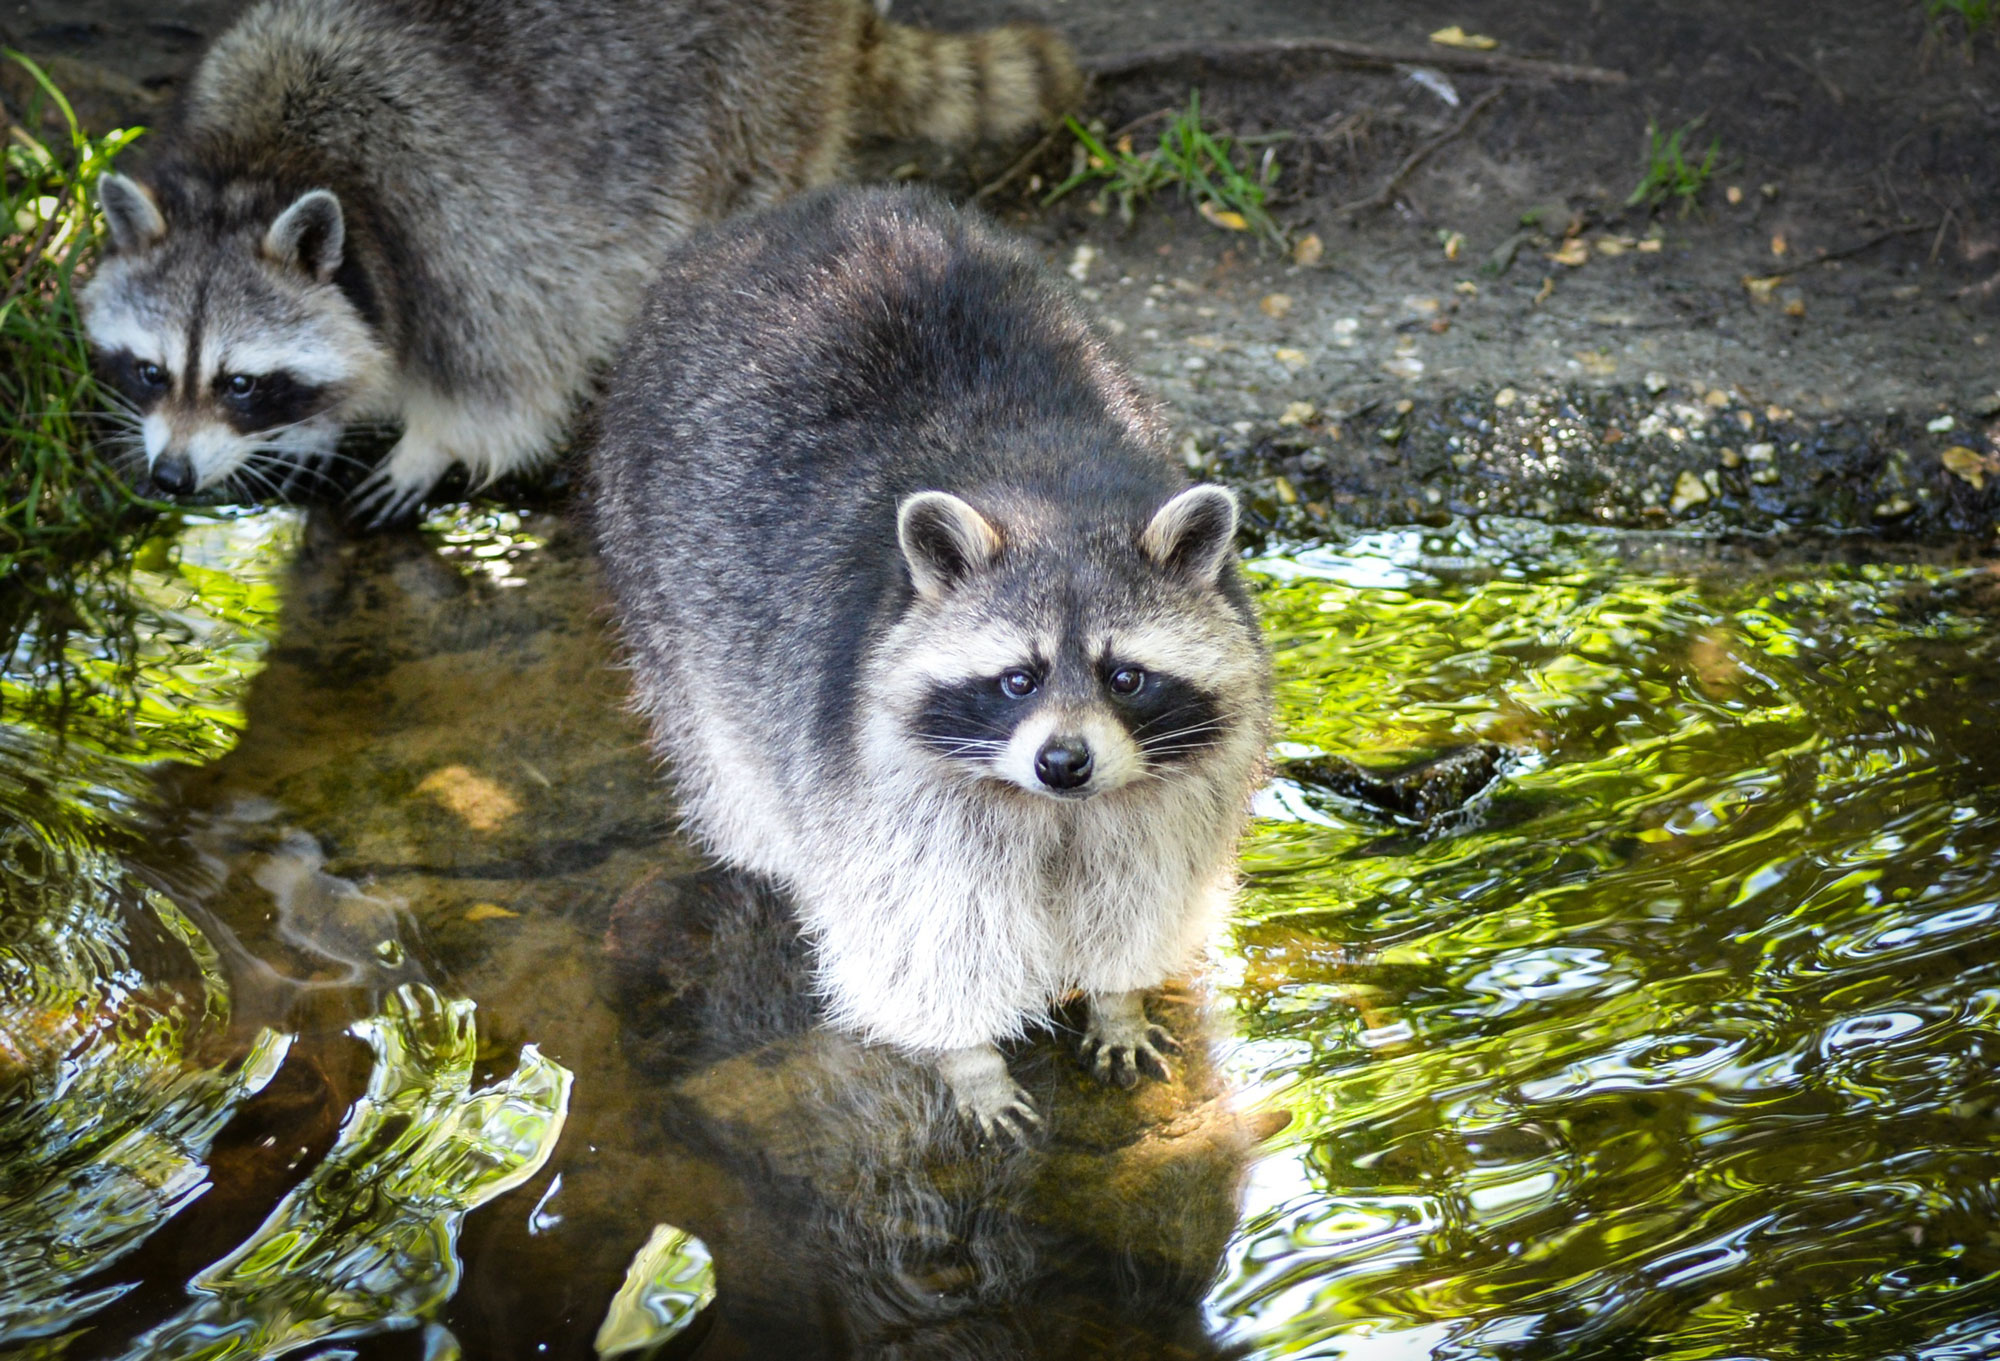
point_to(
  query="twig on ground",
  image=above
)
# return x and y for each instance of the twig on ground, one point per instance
(1846, 252)
(1110, 65)
(1013, 172)
(1937, 242)
(1381, 197)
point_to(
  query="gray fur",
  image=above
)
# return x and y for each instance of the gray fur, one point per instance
(483, 193)
(860, 459)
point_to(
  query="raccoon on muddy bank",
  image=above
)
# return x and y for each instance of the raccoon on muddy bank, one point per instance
(930, 626)
(445, 214)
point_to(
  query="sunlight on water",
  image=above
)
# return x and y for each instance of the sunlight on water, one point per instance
(151, 653)
(109, 997)
(1684, 1042)
(369, 1242)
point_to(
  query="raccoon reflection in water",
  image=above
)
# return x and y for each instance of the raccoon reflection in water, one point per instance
(931, 628)
(848, 1181)
(441, 215)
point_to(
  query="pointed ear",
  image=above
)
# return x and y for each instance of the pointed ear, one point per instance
(944, 540)
(129, 212)
(1193, 534)
(309, 235)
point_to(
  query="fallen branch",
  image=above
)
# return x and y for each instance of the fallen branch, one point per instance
(1380, 198)
(1111, 65)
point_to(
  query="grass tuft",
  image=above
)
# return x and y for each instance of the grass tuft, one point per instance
(58, 495)
(1670, 177)
(1202, 164)
(1974, 18)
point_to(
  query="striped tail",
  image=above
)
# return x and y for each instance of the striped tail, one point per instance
(961, 88)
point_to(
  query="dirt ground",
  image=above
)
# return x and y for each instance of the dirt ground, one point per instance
(1443, 358)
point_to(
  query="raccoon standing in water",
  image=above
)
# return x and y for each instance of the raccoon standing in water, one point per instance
(931, 627)
(445, 214)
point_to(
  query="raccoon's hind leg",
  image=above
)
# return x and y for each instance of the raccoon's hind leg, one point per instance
(1119, 1042)
(986, 1095)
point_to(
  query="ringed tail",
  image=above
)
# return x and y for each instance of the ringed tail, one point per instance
(961, 88)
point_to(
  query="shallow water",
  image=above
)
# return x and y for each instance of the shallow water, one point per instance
(356, 999)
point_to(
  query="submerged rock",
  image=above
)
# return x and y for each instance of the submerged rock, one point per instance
(1417, 793)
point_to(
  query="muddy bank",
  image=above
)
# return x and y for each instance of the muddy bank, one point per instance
(1829, 301)
(1618, 457)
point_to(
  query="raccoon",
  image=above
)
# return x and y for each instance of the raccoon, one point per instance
(931, 628)
(444, 215)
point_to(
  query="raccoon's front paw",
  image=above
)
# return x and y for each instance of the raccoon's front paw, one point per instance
(396, 488)
(381, 499)
(988, 1098)
(1119, 1043)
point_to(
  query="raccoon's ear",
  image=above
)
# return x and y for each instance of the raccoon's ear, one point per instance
(1193, 534)
(129, 212)
(944, 540)
(309, 234)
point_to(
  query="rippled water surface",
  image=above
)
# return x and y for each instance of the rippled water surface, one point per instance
(357, 1000)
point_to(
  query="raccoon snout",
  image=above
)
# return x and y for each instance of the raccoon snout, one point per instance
(173, 474)
(1063, 763)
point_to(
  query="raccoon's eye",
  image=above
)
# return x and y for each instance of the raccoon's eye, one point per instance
(1127, 680)
(1017, 684)
(151, 374)
(240, 384)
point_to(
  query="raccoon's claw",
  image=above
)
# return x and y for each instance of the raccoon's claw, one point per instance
(1120, 1043)
(987, 1097)
(380, 500)
(1014, 1125)
(1119, 1063)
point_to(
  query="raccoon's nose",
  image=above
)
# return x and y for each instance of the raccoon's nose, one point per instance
(173, 474)
(1063, 763)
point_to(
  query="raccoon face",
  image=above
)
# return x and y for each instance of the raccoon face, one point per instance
(1071, 670)
(232, 352)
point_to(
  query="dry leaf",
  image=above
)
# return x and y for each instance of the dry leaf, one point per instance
(1968, 465)
(1574, 252)
(1309, 249)
(1778, 244)
(1222, 217)
(479, 803)
(1716, 398)
(486, 912)
(1795, 307)
(1651, 245)
(1298, 413)
(1275, 305)
(1735, 193)
(1458, 37)
(1689, 490)
(1760, 288)
(1467, 287)
(1286, 492)
(1548, 287)
(1715, 665)
(1454, 242)
(1293, 357)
